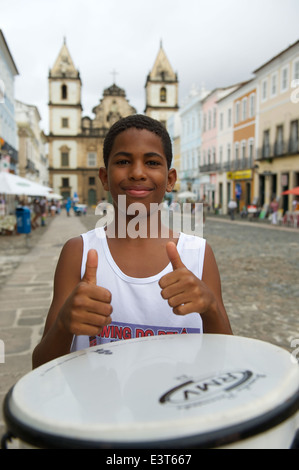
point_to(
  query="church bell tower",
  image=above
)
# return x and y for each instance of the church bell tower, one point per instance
(65, 111)
(161, 89)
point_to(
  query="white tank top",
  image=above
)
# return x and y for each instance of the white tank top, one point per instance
(138, 307)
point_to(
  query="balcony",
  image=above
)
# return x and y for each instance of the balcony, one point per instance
(30, 166)
(278, 149)
(189, 174)
(241, 164)
(211, 168)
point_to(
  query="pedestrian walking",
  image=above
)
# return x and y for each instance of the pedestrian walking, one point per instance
(37, 213)
(68, 206)
(232, 206)
(43, 207)
(53, 208)
(274, 211)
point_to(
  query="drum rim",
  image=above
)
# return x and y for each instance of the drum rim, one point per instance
(212, 439)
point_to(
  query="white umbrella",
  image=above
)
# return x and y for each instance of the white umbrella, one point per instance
(13, 184)
(187, 195)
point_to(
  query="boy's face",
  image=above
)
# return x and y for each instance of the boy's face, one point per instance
(137, 168)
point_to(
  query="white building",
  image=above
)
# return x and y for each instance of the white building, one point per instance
(8, 128)
(190, 142)
(225, 149)
(277, 127)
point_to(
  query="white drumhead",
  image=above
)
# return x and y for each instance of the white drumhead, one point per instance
(157, 389)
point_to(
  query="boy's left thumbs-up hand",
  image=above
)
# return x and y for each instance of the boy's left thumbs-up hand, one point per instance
(184, 292)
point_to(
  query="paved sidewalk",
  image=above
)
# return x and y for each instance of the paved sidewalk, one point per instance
(25, 300)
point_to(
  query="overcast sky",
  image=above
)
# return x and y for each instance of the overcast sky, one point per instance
(211, 42)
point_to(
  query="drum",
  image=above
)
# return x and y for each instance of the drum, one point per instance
(163, 392)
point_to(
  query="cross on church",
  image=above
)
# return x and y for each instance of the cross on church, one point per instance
(114, 73)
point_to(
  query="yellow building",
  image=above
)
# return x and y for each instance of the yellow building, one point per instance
(244, 112)
(277, 138)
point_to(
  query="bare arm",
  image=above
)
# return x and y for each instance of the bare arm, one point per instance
(217, 320)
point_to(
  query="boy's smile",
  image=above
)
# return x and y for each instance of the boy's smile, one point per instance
(137, 168)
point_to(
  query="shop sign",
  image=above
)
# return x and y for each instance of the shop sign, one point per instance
(239, 175)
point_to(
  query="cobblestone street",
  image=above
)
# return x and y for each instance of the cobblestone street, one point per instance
(259, 267)
(258, 264)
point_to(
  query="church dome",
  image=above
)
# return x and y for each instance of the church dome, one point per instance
(114, 90)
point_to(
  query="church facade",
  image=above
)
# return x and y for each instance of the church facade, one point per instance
(76, 141)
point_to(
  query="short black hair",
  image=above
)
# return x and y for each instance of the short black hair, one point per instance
(139, 121)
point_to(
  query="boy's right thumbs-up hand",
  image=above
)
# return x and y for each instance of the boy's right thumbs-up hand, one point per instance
(88, 309)
(91, 267)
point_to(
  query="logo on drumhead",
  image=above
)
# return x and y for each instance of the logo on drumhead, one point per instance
(200, 391)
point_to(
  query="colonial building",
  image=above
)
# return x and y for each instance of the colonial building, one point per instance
(190, 142)
(241, 171)
(33, 161)
(277, 132)
(161, 89)
(224, 191)
(8, 127)
(211, 171)
(75, 141)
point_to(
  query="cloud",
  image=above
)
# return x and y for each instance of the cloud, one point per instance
(215, 42)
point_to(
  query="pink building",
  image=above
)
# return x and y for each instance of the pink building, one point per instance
(210, 163)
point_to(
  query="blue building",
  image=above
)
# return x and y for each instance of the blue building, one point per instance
(8, 127)
(191, 130)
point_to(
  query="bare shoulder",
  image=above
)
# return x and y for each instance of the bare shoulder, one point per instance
(209, 254)
(69, 262)
(72, 250)
(211, 278)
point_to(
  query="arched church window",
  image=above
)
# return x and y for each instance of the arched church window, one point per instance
(63, 92)
(163, 94)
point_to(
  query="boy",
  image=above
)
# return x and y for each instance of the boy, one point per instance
(120, 286)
